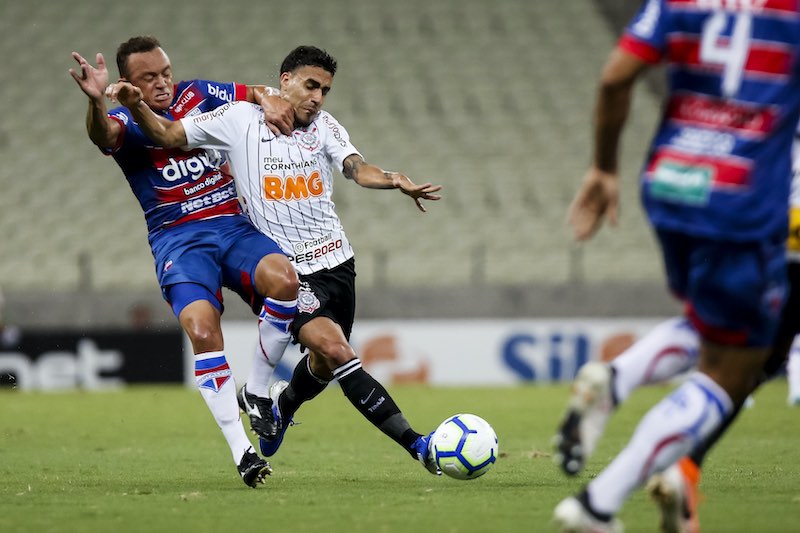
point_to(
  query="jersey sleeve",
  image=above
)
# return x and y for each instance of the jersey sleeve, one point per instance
(645, 35)
(336, 141)
(220, 93)
(220, 129)
(130, 134)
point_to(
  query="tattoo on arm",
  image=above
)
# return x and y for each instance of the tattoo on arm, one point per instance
(352, 165)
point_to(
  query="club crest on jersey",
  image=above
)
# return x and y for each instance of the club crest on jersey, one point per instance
(308, 139)
(307, 301)
(212, 373)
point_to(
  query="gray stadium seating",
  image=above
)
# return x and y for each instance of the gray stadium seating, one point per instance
(490, 99)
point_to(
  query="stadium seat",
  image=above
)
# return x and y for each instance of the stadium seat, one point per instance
(490, 99)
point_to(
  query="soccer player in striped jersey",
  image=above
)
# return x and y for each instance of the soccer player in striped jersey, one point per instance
(286, 183)
(199, 238)
(715, 187)
(667, 351)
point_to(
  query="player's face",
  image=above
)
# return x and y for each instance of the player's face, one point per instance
(306, 89)
(152, 73)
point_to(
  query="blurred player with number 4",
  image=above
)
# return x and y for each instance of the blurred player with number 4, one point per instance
(669, 350)
(715, 188)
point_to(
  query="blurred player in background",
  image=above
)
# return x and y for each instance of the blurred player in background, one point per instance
(199, 238)
(793, 365)
(286, 184)
(715, 188)
(667, 351)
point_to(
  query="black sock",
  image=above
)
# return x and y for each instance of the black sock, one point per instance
(303, 386)
(372, 401)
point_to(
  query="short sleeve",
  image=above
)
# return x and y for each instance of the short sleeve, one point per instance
(336, 140)
(645, 35)
(220, 129)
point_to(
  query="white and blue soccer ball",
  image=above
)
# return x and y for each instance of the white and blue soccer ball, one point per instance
(464, 446)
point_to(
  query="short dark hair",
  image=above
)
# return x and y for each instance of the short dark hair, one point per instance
(305, 56)
(134, 45)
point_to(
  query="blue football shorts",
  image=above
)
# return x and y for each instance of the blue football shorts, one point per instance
(223, 251)
(734, 291)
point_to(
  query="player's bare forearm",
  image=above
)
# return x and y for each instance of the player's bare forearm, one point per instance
(102, 130)
(374, 177)
(165, 132)
(366, 174)
(613, 104)
(92, 80)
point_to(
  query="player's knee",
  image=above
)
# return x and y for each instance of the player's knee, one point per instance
(287, 285)
(276, 278)
(205, 335)
(337, 353)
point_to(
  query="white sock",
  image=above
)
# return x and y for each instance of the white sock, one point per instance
(274, 324)
(215, 381)
(666, 433)
(793, 370)
(668, 350)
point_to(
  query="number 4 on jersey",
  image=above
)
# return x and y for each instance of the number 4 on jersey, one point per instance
(728, 52)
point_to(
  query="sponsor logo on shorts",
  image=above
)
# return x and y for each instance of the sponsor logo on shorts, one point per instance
(307, 301)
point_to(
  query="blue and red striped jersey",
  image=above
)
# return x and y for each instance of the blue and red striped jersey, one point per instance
(175, 186)
(720, 162)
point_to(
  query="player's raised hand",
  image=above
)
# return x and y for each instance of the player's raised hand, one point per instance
(597, 198)
(424, 191)
(279, 114)
(92, 80)
(125, 93)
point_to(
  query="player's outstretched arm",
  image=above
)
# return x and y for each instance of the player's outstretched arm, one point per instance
(598, 196)
(103, 131)
(165, 132)
(373, 177)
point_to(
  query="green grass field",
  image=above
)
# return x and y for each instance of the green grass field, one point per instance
(152, 459)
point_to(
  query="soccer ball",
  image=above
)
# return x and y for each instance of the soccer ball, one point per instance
(464, 446)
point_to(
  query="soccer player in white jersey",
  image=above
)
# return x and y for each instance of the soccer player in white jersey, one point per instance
(285, 183)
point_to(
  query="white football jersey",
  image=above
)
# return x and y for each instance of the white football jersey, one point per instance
(285, 183)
